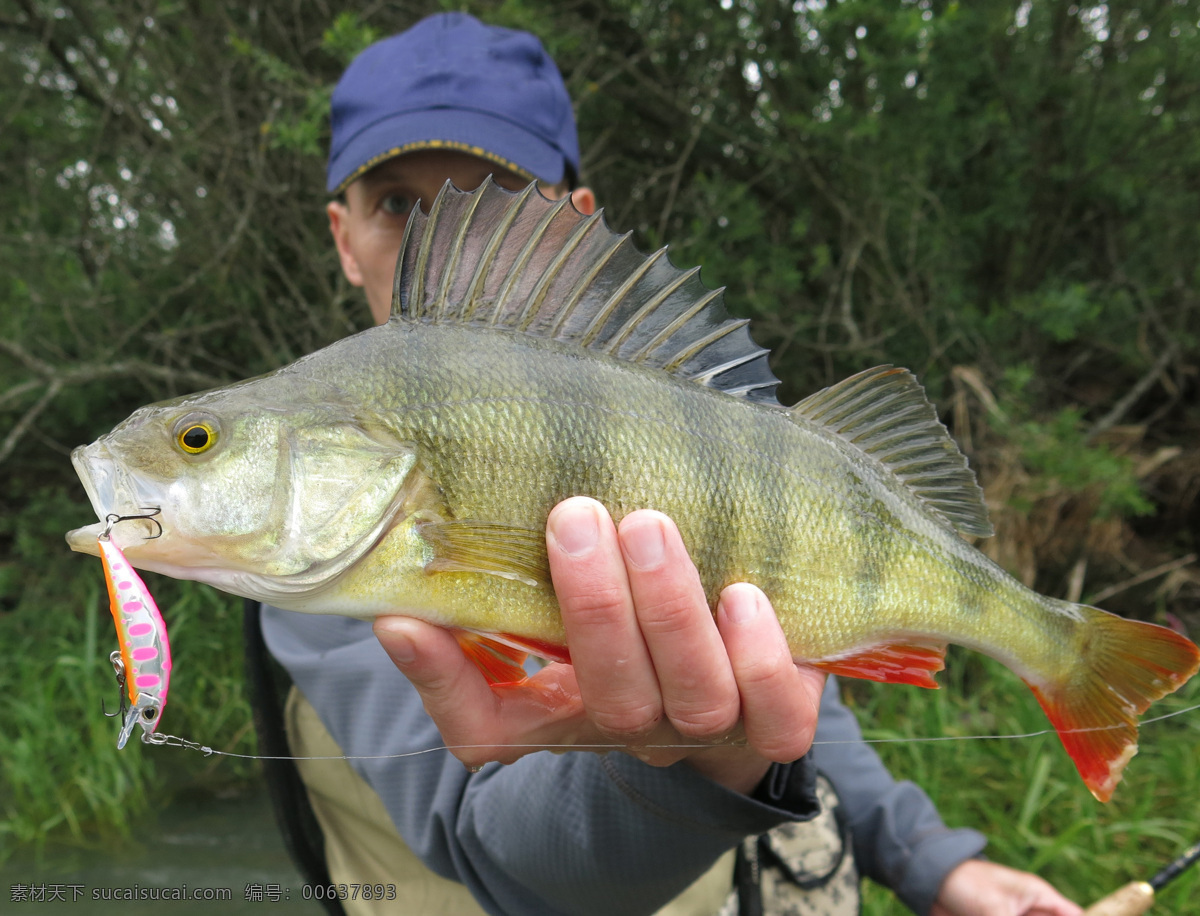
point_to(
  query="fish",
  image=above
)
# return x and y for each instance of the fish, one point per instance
(532, 354)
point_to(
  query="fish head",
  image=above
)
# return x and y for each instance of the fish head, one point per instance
(269, 489)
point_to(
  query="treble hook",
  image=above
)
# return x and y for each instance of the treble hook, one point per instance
(152, 510)
(119, 667)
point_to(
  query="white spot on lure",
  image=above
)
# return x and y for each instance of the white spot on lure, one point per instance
(142, 635)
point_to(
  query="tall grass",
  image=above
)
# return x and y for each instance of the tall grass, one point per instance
(1025, 794)
(61, 774)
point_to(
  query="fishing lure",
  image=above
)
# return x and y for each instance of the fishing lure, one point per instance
(143, 663)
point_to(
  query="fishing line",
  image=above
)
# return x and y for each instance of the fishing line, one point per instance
(175, 741)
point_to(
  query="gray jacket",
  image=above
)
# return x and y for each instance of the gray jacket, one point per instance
(588, 833)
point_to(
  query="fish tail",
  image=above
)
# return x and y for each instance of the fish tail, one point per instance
(1121, 667)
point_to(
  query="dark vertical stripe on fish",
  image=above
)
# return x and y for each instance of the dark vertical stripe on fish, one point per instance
(877, 549)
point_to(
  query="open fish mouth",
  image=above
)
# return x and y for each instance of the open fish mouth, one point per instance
(111, 492)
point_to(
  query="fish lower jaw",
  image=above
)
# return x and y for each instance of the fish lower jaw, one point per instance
(83, 540)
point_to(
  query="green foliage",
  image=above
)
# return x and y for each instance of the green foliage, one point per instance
(60, 770)
(1059, 452)
(302, 127)
(301, 124)
(1024, 794)
(1062, 314)
(348, 36)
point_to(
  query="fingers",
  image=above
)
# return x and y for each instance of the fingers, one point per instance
(699, 693)
(455, 694)
(979, 888)
(779, 700)
(646, 652)
(641, 633)
(480, 723)
(616, 676)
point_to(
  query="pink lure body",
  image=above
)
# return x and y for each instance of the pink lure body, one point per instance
(142, 635)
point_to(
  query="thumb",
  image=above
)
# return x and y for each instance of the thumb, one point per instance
(452, 689)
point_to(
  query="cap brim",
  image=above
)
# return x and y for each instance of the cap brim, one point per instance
(473, 132)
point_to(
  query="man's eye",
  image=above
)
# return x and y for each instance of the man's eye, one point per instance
(396, 204)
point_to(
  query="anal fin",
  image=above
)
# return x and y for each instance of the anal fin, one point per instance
(890, 664)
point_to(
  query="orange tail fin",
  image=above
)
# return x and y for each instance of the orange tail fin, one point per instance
(1123, 667)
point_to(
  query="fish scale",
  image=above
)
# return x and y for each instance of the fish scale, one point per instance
(533, 355)
(673, 460)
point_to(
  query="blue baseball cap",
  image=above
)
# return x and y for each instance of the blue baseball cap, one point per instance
(451, 82)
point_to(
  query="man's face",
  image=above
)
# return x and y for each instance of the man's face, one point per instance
(369, 227)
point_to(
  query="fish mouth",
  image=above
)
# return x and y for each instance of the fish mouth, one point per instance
(111, 492)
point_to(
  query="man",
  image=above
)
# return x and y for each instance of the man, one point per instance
(665, 823)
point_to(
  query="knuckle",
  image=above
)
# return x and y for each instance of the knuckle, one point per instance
(762, 675)
(666, 617)
(594, 606)
(438, 690)
(632, 722)
(763, 671)
(708, 724)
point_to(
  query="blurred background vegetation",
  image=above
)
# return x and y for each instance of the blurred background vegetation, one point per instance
(1002, 196)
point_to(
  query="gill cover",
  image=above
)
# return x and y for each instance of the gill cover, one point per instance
(344, 489)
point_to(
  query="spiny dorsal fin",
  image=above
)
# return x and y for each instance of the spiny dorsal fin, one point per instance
(884, 412)
(521, 262)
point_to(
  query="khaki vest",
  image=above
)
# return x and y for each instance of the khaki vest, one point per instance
(794, 870)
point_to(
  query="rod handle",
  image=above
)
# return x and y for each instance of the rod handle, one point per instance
(1131, 900)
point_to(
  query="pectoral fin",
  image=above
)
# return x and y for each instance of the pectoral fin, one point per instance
(499, 663)
(896, 664)
(501, 656)
(482, 547)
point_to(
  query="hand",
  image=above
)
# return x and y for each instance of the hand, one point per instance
(650, 667)
(978, 888)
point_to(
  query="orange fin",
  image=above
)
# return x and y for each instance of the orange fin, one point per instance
(1123, 667)
(539, 647)
(499, 663)
(891, 664)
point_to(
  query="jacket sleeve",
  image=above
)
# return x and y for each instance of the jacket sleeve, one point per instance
(899, 839)
(552, 833)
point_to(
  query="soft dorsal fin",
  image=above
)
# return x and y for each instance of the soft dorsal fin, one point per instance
(525, 263)
(884, 412)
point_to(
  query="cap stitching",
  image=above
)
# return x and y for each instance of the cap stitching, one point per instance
(456, 145)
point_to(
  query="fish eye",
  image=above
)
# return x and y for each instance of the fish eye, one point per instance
(196, 437)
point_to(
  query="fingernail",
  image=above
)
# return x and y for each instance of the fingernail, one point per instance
(395, 640)
(740, 603)
(575, 528)
(644, 543)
